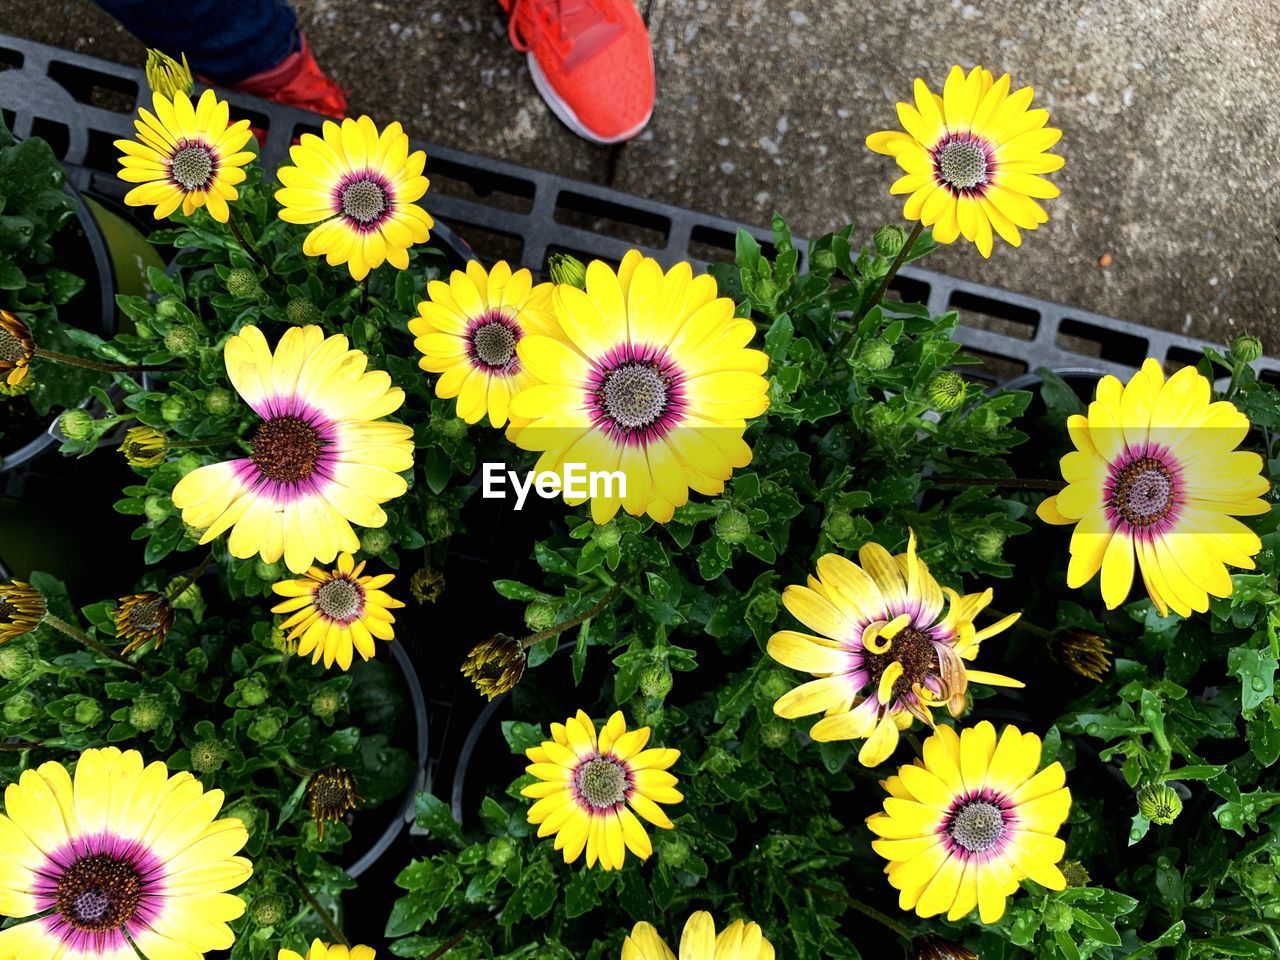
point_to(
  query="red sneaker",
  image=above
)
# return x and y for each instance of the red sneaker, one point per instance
(298, 81)
(591, 61)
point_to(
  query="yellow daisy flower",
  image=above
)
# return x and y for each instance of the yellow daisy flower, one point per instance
(738, 941)
(22, 607)
(1156, 475)
(468, 329)
(973, 159)
(334, 611)
(322, 951)
(885, 655)
(322, 458)
(962, 826)
(185, 155)
(652, 379)
(123, 852)
(588, 786)
(359, 185)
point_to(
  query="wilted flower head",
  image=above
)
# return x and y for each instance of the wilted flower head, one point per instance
(143, 617)
(21, 609)
(933, 947)
(495, 665)
(144, 447)
(426, 585)
(167, 76)
(16, 348)
(331, 795)
(1082, 652)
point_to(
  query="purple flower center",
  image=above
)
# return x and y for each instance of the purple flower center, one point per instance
(192, 165)
(340, 599)
(978, 823)
(601, 782)
(364, 200)
(963, 163)
(1143, 492)
(99, 892)
(637, 394)
(491, 343)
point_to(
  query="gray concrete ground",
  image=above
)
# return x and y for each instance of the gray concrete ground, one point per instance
(1170, 213)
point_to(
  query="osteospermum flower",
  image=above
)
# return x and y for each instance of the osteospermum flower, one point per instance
(1156, 475)
(22, 607)
(322, 458)
(142, 618)
(699, 941)
(973, 159)
(17, 347)
(589, 785)
(334, 612)
(884, 654)
(652, 379)
(185, 155)
(359, 185)
(322, 951)
(495, 665)
(963, 825)
(121, 852)
(468, 329)
(331, 795)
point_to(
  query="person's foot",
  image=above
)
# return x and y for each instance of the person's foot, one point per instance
(590, 60)
(298, 81)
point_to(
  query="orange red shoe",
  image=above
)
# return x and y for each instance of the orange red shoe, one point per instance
(298, 81)
(591, 61)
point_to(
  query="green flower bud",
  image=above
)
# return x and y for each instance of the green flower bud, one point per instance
(775, 733)
(1258, 878)
(889, 240)
(20, 389)
(453, 428)
(196, 658)
(173, 409)
(774, 684)
(674, 848)
(167, 307)
(565, 268)
(656, 680)
(1058, 916)
(326, 702)
(268, 910)
(245, 812)
(824, 261)
(21, 707)
(181, 340)
(87, 712)
(1246, 348)
(167, 77)
(157, 508)
(375, 540)
(265, 728)
(720, 762)
(219, 402)
(500, 852)
(540, 615)
(15, 661)
(270, 572)
(839, 524)
(732, 526)
(76, 424)
(1075, 873)
(301, 311)
(946, 391)
(242, 283)
(607, 536)
(252, 692)
(988, 544)
(646, 713)
(1159, 803)
(207, 756)
(875, 355)
(188, 462)
(146, 714)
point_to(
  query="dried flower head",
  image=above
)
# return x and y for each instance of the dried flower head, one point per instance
(495, 665)
(426, 585)
(144, 447)
(142, 618)
(1082, 652)
(16, 348)
(933, 947)
(21, 609)
(331, 795)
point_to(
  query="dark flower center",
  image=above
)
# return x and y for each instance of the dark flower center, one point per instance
(963, 164)
(634, 395)
(494, 343)
(98, 893)
(8, 612)
(147, 614)
(1143, 492)
(192, 166)
(340, 598)
(602, 782)
(977, 826)
(364, 201)
(285, 449)
(911, 648)
(11, 348)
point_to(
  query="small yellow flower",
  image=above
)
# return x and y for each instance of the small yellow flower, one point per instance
(167, 76)
(426, 585)
(588, 787)
(142, 618)
(331, 795)
(322, 951)
(741, 940)
(495, 665)
(144, 447)
(22, 608)
(972, 159)
(336, 612)
(16, 348)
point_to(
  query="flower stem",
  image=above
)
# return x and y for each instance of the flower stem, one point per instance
(865, 910)
(608, 598)
(20, 745)
(199, 571)
(364, 293)
(57, 357)
(196, 444)
(876, 297)
(319, 911)
(1011, 483)
(82, 638)
(461, 935)
(244, 242)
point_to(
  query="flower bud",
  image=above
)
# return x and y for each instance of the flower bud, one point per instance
(301, 311)
(173, 409)
(656, 680)
(1075, 874)
(1258, 878)
(1159, 803)
(823, 261)
(245, 812)
(144, 447)
(195, 657)
(265, 728)
(426, 585)
(326, 702)
(774, 684)
(167, 307)
(219, 402)
(1058, 916)
(76, 424)
(875, 355)
(890, 240)
(839, 524)
(146, 714)
(732, 526)
(157, 508)
(207, 756)
(242, 282)
(453, 428)
(775, 733)
(252, 692)
(647, 713)
(946, 391)
(565, 268)
(1246, 348)
(540, 615)
(21, 707)
(15, 661)
(495, 665)
(500, 852)
(607, 536)
(181, 340)
(988, 544)
(673, 848)
(375, 540)
(271, 572)
(87, 712)
(166, 76)
(268, 910)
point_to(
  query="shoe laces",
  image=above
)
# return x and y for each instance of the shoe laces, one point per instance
(559, 21)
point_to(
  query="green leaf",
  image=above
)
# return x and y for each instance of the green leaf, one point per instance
(436, 818)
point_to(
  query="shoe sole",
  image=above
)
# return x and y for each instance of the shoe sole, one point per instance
(565, 113)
